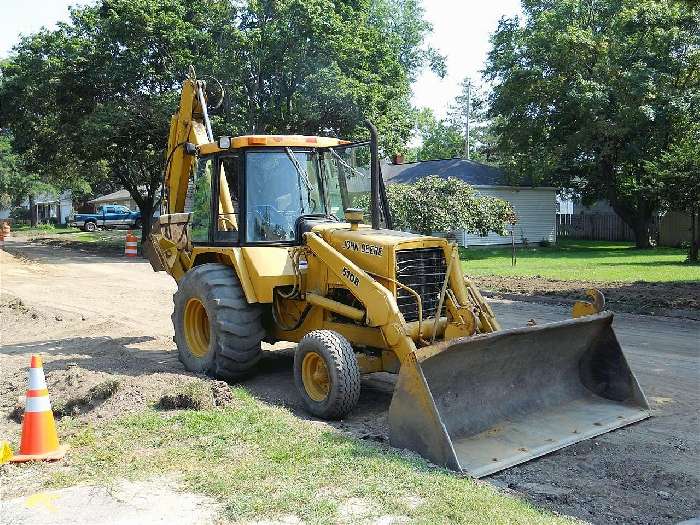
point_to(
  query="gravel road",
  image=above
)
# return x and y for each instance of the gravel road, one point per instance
(102, 316)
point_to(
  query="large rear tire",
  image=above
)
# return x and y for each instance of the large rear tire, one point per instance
(217, 331)
(326, 374)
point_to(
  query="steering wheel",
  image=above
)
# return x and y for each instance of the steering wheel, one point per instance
(280, 218)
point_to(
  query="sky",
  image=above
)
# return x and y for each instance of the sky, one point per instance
(461, 30)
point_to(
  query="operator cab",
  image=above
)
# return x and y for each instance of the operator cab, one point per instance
(269, 189)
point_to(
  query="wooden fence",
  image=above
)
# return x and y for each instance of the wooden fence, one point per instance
(671, 229)
(599, 227)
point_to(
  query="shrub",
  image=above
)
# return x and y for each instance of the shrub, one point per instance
(20, 214)
(435, 204)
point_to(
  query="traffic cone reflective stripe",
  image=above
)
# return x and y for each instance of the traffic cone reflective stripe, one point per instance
(131, 245)
(39, 437)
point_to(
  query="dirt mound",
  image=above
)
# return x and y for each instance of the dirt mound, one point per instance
(12, 307)
(223, 396)
(195, 395)
(91, 395)
(635, 297)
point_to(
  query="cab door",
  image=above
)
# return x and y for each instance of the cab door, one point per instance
(121, 215)
(104, 215)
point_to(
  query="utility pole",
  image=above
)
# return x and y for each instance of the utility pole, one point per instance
(469, 93)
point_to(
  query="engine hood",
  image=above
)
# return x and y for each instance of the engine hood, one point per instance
(374, 250)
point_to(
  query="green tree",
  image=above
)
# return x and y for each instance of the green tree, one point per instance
(678, 170)
(17, 184)
(473, 101)
(14, 182)
(587, 93)
(435, 204)
(99, 91)
(439, 139)
(446, 138)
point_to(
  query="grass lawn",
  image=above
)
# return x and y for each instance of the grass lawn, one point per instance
(597, 261)
(262, 462)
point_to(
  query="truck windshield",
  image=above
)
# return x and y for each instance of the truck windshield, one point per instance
(347, 179)
(281, 185)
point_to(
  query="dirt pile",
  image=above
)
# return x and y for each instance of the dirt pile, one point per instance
(88, 395)
(636, 297)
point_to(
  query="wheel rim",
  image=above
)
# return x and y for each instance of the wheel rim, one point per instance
(196, 327)
(314, 374)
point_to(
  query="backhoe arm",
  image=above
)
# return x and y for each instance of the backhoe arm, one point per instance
(186, 126)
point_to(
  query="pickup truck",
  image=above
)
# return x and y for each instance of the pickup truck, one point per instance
(108, 216)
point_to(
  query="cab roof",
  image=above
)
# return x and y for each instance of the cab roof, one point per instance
(292, 141)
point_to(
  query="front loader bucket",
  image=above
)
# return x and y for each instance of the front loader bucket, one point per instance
(485, 403)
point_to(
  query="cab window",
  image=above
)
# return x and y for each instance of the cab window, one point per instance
(347, 179)
(281, 185)
(199, 199)
(227, 222)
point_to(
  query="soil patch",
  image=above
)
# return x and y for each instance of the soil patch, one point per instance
(637, 297)
(115, 326)
(99, 248)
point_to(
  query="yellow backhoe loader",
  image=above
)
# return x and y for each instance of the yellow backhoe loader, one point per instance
(266, 238)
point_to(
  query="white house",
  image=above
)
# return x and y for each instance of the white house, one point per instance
(121, 197)
(47, 207)
(536, 207)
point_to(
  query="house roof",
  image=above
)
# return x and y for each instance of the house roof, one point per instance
(474, 173)
(120, 195)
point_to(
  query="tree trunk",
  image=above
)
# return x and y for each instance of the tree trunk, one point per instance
(642, 233)
(638, 220)
(32, 211)
(146, 220)
(694, 241)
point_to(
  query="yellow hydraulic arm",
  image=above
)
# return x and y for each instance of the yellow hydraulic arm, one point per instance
(190, 125)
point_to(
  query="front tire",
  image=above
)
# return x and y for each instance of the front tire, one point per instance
(217, 331)
(326, 374)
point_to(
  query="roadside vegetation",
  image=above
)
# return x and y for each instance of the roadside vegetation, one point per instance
(262, 462)
(26, 229)
(595, 261)
(108, 242)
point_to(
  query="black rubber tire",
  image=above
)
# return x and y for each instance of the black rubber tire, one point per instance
(137, 224)
(90, 226)
(235, 326)
(344, 372)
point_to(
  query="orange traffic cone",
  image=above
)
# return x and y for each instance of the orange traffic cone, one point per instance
(39, 438)
(131, 244)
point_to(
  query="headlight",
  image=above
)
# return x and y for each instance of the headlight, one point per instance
(224, 142)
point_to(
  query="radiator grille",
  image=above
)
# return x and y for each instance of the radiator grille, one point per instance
(422, 269)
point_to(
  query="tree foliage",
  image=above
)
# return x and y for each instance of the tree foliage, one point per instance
(439, 138)
(92, 99)
(435, 204)
(678, 171)
(587, 93)
(14, 183)
(446, 138)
